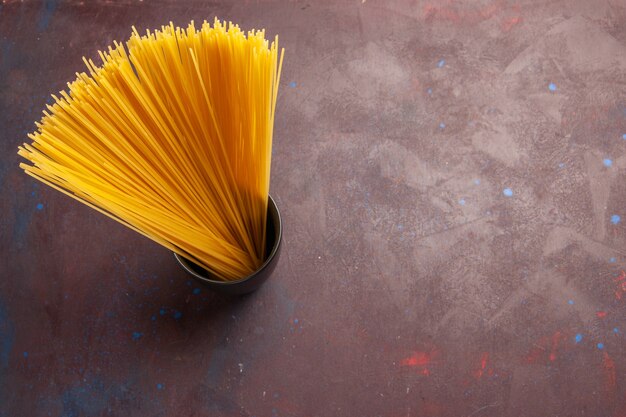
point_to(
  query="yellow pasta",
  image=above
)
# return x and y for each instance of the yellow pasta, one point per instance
(172, 137)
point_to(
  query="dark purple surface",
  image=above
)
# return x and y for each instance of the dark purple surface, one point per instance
(410, 284)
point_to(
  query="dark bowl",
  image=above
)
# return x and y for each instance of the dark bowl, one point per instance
(253, 281)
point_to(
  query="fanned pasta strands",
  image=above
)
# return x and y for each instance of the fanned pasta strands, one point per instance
(172, 137)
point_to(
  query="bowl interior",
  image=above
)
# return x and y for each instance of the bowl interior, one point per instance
(272, 242)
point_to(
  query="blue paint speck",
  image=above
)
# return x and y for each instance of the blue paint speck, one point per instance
(26, 353)
(159, 386)
(441, 63)
(600, 345)
(32, 193)
(607, 162)
(197, 291)
(561, 165)
(39, 206)
(137, 335)
(570, 302)
(615, 219)
(624, 136)
(295, 321)
(615, 330)
(552, 87)
(430, 92)
(177, 315)
(612, 260)
(477, 181)
(153, 318)
(162, 311)
(508, 192)
(292, 84)
(578, 338)
(462, 202)
(442, 125)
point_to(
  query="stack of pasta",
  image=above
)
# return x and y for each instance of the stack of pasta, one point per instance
(171, 136)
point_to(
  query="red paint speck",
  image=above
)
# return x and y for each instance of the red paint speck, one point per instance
(417, 359)
(556, 337)
(484, 357)
(483, 360)
(420, 360)
(601, 314)
(609, 369)
(509, 23)
(543, 346)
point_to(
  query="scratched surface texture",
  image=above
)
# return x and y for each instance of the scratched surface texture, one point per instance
(452, 176)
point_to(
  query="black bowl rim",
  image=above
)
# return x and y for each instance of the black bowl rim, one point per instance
(279, 233)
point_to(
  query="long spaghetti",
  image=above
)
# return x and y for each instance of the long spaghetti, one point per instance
(172, 137)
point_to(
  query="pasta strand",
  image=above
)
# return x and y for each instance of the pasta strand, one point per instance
(171, 136)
